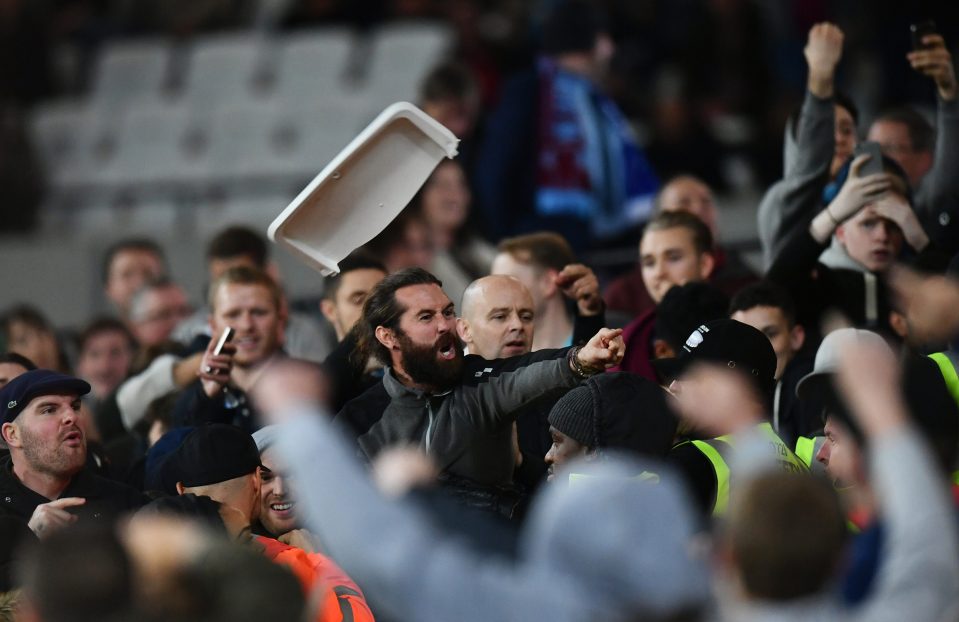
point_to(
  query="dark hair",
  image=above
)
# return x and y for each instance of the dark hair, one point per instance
(79, 573)
(105, 324)
(572, 26)
(130, 244)
(237, 241)
(702, 237)
(841, 99)
(357, 260)
(543, 249)
(448, 80)
(787, 534)
(17, 359)
(684, 308)
(394, 234)
(921, 133)
(764, 294)
(382, 309)
(25, 314)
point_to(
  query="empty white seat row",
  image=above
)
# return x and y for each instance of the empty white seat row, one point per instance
(163, 145)
(237, 66)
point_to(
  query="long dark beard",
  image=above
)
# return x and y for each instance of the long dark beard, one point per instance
(424, 366)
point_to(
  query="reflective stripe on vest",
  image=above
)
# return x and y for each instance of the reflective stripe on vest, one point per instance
(716, 451)
(947, 367)
(583, 478)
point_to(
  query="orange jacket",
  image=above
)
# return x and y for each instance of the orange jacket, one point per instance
(340, 599)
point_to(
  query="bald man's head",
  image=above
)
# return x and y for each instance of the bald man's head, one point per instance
(497, 317)
(686, 193)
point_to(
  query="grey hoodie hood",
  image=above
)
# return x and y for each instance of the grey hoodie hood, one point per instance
(836, 257)
(635, 555)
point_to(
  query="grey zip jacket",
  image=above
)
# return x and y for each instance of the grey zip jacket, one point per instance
(467, 431)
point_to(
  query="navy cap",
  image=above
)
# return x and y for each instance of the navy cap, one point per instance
(17, 393)
(734, 344)
(212, 454)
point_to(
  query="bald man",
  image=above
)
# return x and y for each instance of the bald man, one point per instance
(683, 193)
(686, 193)
(498, 321)
(497, 317)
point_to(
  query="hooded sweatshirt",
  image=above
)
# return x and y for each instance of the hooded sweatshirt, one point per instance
(792, 202)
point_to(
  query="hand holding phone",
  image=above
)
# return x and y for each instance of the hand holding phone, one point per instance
(225, 337)
(919, 30)
(874, 164)
(931, 57)
(216, 364)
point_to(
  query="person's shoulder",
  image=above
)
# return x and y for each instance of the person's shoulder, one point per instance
(93, 485)
(361, 412)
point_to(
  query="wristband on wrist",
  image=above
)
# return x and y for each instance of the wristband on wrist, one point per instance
(576, 366)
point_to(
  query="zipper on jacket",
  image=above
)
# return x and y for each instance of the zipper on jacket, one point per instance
(429, 425)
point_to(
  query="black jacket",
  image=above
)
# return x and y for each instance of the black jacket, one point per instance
(106, 499)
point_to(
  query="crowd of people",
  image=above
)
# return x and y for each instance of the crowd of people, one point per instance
(471, 423)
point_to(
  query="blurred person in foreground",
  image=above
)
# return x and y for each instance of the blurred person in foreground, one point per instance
(615, 549)
(777, 563)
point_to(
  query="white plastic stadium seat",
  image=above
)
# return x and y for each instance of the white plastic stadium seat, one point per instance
(222, 68)
(311, 64)
(403, 53)
(154, 148)
(130, 72)
(73, 141)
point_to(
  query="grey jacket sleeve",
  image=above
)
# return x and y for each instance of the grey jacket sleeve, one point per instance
(792, 201)
(938, 191)
(498, 396)
(919, 575)
(402, 563)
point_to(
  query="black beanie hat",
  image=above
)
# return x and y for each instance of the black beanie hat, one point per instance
(618, 410)
(572, 26)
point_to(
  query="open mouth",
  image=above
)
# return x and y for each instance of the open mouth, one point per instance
(281, 507)
(448, 352)
(73, 439)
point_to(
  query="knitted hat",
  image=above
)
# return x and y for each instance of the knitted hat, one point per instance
(617, 411)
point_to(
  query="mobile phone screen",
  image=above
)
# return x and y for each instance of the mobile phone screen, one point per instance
(225, 338)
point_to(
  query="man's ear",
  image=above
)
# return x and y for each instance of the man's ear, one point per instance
(707, 263)
(180, 488)
(899, 324)
(840, 233)
(328, 309)
(11, 435)
(662, 350)
(797, 337)
(547, 282)
(463, 330)
(386, 336)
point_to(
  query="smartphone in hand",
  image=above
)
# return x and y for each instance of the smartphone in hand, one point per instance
(919, 30)
(224, 339)
(874, 164)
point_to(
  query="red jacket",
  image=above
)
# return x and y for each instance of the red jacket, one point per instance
(340, 599)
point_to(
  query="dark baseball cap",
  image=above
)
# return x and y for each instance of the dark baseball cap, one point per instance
(212, 454)
(727, 342)
(17, 394)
